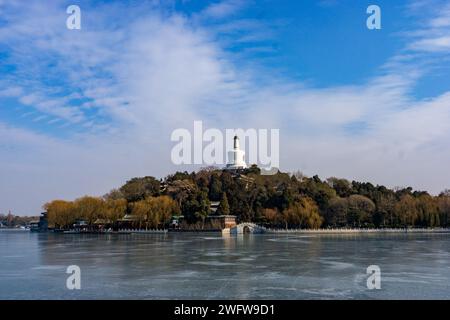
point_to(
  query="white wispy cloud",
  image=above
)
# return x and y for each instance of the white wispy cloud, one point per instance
(435, 35)
(222, 9)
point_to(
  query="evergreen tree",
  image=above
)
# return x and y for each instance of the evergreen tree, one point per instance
(215, 188)
(224, 207)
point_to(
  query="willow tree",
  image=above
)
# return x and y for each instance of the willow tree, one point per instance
(154, 212)
(303, 213)
(60, 213)
(115, 209)
(427, 211)
(90, 208)
(444, 208)
(164, 207)
(406, 211)
(270, 215)
(141, 210)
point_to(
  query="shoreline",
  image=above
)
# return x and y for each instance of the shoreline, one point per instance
(261, 230)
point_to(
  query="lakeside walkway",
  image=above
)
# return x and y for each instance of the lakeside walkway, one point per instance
(143, 230)
(257, 229)
(359, 230)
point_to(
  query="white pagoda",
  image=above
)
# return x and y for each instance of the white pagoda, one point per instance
(236, 157)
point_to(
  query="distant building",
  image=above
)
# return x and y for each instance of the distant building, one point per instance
(103, 225)
(221, 222)
(175, 222)
(218, 222)
(43, 222)
(213, 221)
(129, 221)
(213, 206)
(34, 225)
(40, 225)
(81, 226)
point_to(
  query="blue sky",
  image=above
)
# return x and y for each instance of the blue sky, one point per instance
(325, 43)
(81, 111)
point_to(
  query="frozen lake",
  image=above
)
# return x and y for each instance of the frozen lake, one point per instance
(211, 266)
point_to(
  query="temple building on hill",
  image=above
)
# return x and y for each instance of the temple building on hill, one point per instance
(236, 157)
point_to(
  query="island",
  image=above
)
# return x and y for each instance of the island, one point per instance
(214, 199)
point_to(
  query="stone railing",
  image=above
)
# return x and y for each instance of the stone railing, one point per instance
(359, 230)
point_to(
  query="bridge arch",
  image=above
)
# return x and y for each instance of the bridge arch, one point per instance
(247, 227)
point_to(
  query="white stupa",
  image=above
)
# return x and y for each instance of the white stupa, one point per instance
(236, 157)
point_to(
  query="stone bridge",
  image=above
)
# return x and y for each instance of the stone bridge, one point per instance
(247, 227)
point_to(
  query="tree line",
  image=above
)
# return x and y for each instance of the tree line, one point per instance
(149, 213)
(282, 200)
(9, 220)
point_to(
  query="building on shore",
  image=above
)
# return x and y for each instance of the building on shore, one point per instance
(40, 225)
(213, 206)
(34, 225)
(175, 222)
(81, 226)
(220, 222)
(102, 225)
(213, 222)
(129, 221)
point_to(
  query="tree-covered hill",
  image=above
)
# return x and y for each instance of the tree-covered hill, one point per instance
(281, 200)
